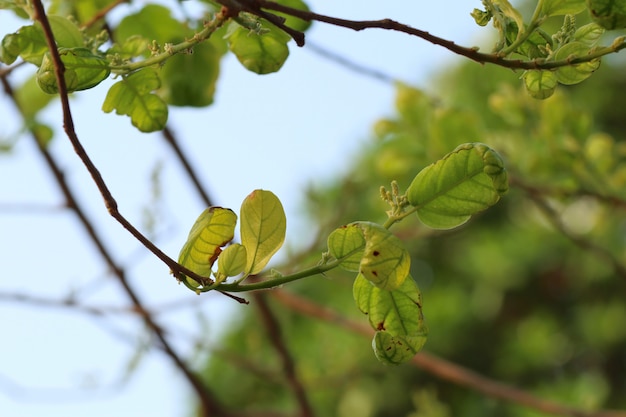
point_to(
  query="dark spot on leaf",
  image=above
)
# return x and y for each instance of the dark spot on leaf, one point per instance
(388, 349)
(375, 253)
(381, 326)
(375, 273)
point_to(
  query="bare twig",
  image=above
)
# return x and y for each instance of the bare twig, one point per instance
(273, 329)
(441, 368)
(209, 404)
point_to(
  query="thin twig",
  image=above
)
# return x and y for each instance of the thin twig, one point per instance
(209, 404)
(274, 331)
(442, 368)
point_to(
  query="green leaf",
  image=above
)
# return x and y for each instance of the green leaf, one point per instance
(373, 251)
(232, 261)
(263, 228)
(153, 23)
(540, 84)
(213, 229)
(464, 182)
(574, 74)
(83, 70)
(610, 14)
(31, 99)
(396, 316)
(347, 241)
(28, 42)
(66, 33)
(189, 79)
(262, 52)
(132, 96)
(294, 22)
(589, 34)
(562, 7)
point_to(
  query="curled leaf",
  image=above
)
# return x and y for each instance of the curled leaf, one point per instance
(83, 70)
(213, 229)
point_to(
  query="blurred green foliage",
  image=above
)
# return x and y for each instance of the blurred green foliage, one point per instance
(531, 292)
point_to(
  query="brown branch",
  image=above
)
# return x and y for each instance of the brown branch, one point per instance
(273, 329)
(103, 12)
(441, 368)
(209, 405)
(389, 24)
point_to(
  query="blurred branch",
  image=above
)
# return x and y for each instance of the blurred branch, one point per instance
(553, 216)
(103, 12)
(441, 368)
(274, 331)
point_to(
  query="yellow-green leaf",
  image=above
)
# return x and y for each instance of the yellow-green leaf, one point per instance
(213, 229)
(396, 316)
(232, 261)
(263, 228)
(373, 251)
(83, 70)
(464, 182)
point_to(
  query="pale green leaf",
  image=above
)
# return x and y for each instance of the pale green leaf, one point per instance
(31, 98)
(562, 7)
(347, 241)
(464, 182)
(133, 96)
(397, 317)
(232, 261)
(213, 229)
(66, 33)
(28, 42)
(263, 228)
(540, 84)
(83, 70)
(263, 52)
(153, 23)
(574, 74)
(294, 22)
(373, 251)
(589, 34)
(610, 14)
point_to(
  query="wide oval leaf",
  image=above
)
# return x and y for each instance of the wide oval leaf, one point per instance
(213, 229)
(397, 317)
(263, 228)
(232, 261)
(83, 70)
(347, 242)
(574, 74)
(540, 84)
(262, 52)
(464, 182)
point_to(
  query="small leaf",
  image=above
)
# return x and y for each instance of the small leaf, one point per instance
(373, 251)
(562, 7)
(28, 42)
(213, 229)
(540, 84)
(83, 70)
(396, 316)
(232, 261)
(464, 182)
(610, 14)
(263, 228)
(263, 52)
(348, 241)
(589, 34)
(132, 96)
(153, 23)
(574, 74)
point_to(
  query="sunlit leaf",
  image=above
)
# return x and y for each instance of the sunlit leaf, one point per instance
(232, 261)
(589, 34)
(562, 7)
(464, 182)
(263, 52)
(83, 70)
(263, 228)
(213, 229)
(133, 96)
(540, 84)
(574, 74)
(347, 241)
(396, 316)
(28, 42)
(373, 251)
(610, 14)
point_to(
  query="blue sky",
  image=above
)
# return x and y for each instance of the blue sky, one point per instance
(278, 132)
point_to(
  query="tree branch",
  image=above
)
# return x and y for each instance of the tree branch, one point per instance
(441, 368)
